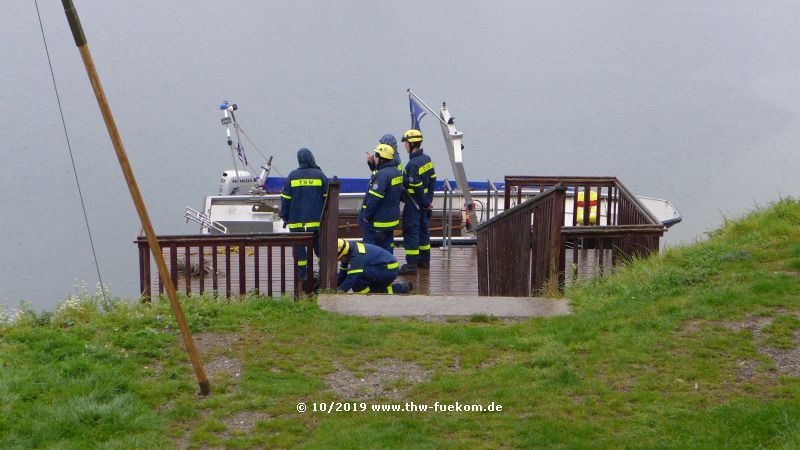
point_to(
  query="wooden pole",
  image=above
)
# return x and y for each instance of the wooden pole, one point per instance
(116, 140)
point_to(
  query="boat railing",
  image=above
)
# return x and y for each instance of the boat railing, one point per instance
(447, 217)
(231, 265)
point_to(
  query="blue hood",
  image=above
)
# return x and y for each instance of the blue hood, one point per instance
(306, 159)
(389, 140)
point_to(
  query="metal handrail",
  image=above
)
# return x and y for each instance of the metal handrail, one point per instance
(203, 220)
(491, 188)
(447, 211)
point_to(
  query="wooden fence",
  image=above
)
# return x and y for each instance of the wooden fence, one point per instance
(623, 228)
(518, 250)
(236, 265)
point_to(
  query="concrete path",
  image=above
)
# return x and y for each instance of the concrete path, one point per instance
(423, 305)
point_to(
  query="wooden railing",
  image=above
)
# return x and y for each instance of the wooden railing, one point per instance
(518, 250)
(229, 265)
(616, 204)
(235, 265)
(623, 229)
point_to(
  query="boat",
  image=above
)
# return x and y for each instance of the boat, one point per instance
(249, 203)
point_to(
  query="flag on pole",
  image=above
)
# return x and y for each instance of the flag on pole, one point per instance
(240, 153)
(417, 113)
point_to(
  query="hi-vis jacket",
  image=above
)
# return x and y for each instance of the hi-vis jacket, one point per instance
(419, 178)
(381, 206)
(304, 193)
(365, 257)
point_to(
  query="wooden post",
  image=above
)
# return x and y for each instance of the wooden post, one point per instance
(555, 246)
(155, 248)
(329, 234)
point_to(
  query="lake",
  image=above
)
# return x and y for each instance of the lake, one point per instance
(697, 102)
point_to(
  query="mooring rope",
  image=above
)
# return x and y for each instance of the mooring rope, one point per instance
(72, 159)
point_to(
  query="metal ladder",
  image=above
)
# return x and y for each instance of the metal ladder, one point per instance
(204, 221)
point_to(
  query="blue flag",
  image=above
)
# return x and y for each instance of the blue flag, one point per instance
(240, 153)
(417, 113)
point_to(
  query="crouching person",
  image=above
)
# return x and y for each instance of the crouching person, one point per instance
(367, 268)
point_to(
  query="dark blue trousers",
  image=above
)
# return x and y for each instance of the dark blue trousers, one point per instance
(416, 235)
(382, 237)
(300, 253)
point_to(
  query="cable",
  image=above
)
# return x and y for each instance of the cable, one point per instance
(256, 148)
(72, 159)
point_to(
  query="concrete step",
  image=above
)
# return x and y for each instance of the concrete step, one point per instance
(380, 305)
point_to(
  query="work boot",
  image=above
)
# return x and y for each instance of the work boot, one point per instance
(424, 265)
(408, 269)
(402, 287)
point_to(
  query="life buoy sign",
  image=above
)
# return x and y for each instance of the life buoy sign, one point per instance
(592, 208)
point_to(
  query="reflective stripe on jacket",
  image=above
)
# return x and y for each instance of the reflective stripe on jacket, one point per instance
(381, 206)
(362, 257)
(419, 178)
(304, 194)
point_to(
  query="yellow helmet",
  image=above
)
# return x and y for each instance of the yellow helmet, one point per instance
(385, 151)
(343, 248)
(412, 136)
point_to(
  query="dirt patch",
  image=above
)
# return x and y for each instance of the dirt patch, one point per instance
(753, 323)
(786, 360)
(218, 346)
(692, 326)
(747, 369)
(243, 422)
(389, 378)
(221, 366)
(790, 273)
(206, 342)
(456, 365)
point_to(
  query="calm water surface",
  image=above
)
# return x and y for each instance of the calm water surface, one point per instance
(697, 102)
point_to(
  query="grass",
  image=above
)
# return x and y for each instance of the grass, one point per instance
(652, 357)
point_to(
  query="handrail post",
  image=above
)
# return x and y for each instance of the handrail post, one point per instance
(328, 238)
(554, 243)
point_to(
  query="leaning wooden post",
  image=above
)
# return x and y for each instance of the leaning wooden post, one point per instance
(80, 41)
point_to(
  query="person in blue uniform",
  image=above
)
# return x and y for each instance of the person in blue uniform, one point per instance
(302, 200)
(419, 180)
(380, 212)
(366, 268)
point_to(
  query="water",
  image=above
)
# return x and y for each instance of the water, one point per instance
(695, 102)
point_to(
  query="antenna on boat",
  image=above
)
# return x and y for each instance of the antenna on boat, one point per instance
(226, 121)
(452, 139)
(152, 240)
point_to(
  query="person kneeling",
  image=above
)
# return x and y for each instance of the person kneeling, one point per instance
(367, 268)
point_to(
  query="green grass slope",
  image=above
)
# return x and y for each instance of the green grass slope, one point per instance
(696, 348)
